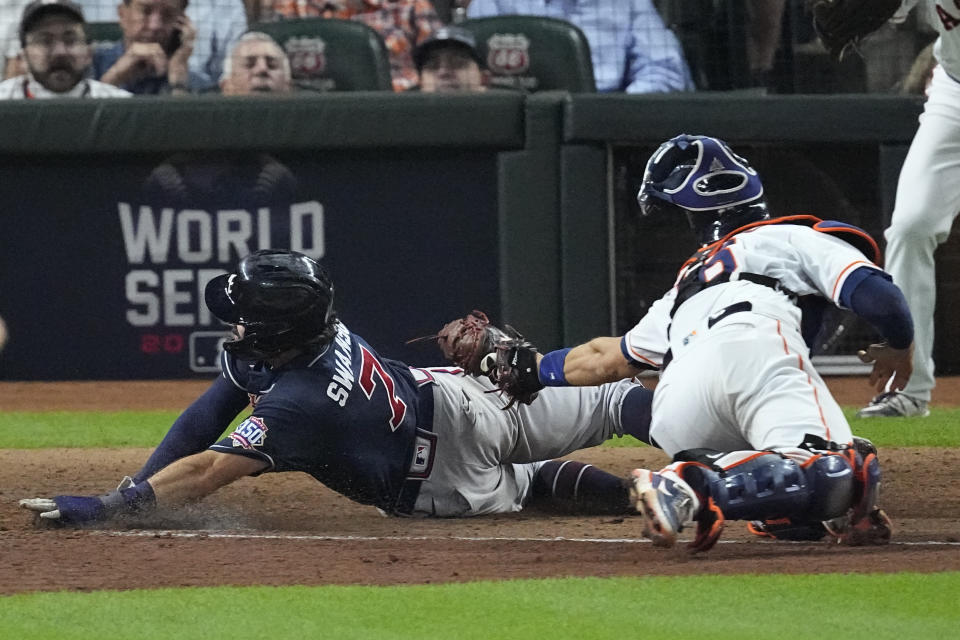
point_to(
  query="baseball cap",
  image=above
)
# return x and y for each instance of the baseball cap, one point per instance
(39, 8)
(448, 35)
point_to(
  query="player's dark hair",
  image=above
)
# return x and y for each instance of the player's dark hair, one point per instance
(282, 299)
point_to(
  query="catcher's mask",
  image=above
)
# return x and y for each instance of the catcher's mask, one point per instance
(717, 189)
(282, 299)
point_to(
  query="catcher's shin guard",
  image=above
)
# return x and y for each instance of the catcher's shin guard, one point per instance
(865, 523)
(762, 485)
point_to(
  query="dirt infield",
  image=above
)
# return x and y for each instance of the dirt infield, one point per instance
(284, 529)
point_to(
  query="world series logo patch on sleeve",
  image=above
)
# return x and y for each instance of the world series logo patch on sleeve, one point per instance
(250, 433)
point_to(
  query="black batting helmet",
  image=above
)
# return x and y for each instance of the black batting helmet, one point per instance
(283, 300)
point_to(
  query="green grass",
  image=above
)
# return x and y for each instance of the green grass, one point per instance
(851, 606)
(41, 430)
(873, 607)
(940, 429)
(84, 429)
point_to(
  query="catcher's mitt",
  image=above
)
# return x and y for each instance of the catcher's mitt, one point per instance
(503, 355)
(843, 23)
(513, 367)
(465, 341)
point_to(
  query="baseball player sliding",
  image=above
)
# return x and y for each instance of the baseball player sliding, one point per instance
(752, 429)
(429, 442)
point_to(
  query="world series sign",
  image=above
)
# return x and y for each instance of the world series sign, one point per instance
(113, 287)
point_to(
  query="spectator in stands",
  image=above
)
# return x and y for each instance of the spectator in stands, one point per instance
(632, 50)
(56, 55)
(448, 62)
(401, 23)
(10, 12)
(218, 24)
(256, 64)
(153, 56)
(764, 26)
(273, 10)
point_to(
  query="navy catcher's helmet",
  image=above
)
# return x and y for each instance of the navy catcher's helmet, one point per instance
(717, 189)
(283, 300)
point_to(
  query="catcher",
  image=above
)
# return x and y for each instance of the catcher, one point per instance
(752, 428)
(411, 442)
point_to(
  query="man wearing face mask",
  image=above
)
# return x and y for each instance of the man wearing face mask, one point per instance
(152, 58)
(256, 64)
(56, 54)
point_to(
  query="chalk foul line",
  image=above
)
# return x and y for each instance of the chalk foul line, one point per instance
(179, 533)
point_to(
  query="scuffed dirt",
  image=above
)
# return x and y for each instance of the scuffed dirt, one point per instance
(283, 529)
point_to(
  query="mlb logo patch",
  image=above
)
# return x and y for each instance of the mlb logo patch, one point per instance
(250, 433)
(424, 450)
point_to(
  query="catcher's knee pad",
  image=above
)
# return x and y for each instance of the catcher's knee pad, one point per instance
(832, 486)
(757, 485)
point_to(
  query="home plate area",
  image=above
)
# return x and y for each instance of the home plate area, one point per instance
(285, 529)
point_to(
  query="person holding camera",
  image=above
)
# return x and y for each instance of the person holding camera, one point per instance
(151, 59)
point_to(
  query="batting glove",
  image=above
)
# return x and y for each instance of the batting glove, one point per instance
(67, 509)
(79, 510)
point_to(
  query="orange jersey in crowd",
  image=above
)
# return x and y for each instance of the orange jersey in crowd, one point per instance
(401, 23)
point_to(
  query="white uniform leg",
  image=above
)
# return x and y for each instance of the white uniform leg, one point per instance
(768, 396)
(928, 199)
(486, 457)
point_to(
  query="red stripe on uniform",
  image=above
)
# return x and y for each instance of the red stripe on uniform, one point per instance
(845, 269)
(816, 394)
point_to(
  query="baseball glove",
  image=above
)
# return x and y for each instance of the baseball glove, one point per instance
(844, 23)
(465, 341)
(503, 355)
(513, 367)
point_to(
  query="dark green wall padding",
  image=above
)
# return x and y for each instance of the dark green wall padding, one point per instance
(553, 147)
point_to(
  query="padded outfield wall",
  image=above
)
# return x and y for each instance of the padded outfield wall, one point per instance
(423, 207)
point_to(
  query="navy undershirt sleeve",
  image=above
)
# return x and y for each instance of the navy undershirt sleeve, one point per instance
(636, 413)
(871, 295)
(199, 426)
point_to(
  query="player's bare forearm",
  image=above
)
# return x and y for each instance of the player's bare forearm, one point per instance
(201, 474)
(596, 362)
(186, 479)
